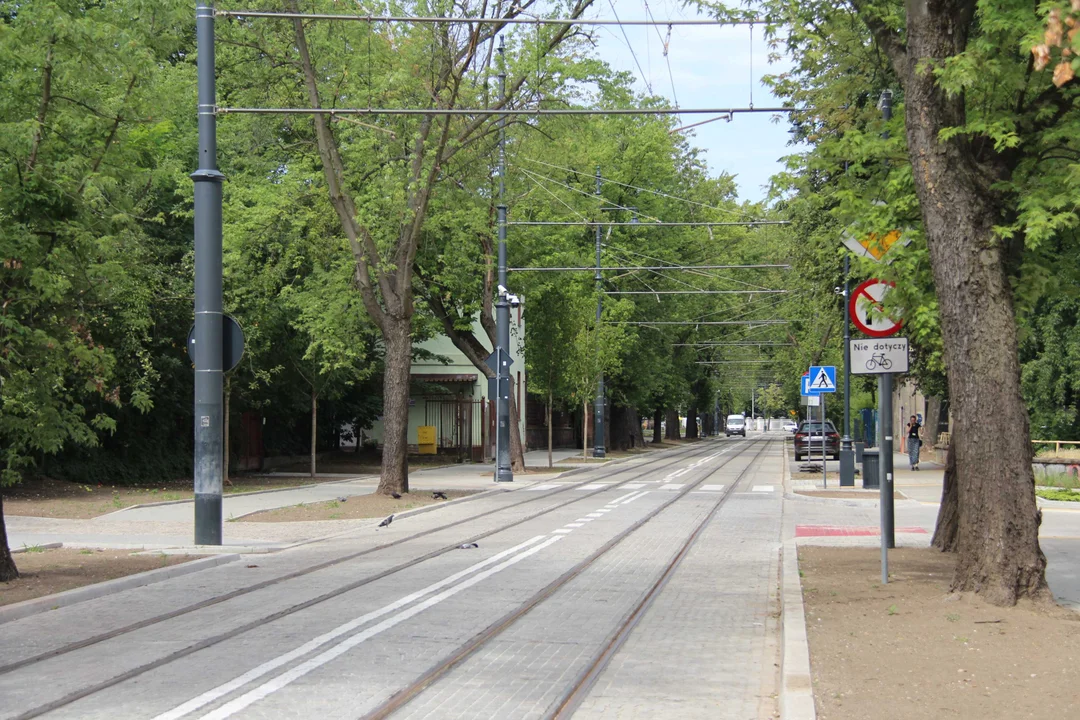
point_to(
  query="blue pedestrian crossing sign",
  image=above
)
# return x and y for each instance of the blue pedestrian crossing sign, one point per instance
(822, 379)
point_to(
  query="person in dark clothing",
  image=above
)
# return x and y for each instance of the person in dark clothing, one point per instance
(914, 442)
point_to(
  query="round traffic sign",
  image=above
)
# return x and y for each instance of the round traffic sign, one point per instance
(867, 310)
(232, 343)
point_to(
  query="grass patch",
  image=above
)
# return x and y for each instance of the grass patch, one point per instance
(1067, 495)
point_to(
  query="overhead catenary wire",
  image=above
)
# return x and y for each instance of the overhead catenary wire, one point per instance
(494, 112)
(622, 28)
(660, 223)
(419, 19)
(648, 267)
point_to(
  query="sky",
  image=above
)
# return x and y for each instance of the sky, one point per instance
(710, 67)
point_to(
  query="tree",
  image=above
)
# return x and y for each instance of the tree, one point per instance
(982, 166)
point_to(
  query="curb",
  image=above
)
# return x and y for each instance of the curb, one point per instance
(241, 494)
(29, 548)
(35, 606)
(796, 685)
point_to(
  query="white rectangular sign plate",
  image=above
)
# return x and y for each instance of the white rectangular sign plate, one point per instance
(883, 355)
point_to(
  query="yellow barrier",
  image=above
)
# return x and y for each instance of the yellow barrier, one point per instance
(425, 440)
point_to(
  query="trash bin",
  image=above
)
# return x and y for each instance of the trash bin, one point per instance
(870, 473)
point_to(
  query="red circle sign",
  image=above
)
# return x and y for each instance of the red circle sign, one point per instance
(866, 309)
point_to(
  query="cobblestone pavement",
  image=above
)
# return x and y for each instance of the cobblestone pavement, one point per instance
(704, 648)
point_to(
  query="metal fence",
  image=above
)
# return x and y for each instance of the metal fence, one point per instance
(459, 426)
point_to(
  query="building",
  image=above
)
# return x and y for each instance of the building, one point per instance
(449, 392)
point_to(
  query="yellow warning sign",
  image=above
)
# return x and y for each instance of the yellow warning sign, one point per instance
(873, 245)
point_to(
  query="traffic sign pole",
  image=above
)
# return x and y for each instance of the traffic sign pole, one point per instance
(847, 452)
(885, 411)
(824, 455)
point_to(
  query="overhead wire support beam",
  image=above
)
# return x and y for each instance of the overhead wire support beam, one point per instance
(694, 292)
(623, 268)
(478, 20)
(733, 344)
(732, 362)
(495, 111)
(696, 322)
(590, 223)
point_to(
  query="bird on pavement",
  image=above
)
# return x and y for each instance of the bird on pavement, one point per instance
(437, 495)
(468, 546)
(342, 499)
(396, 496)
(386, 522)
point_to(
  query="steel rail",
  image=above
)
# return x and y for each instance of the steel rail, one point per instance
(405, 695)
(76, 695)
(571, 700)
(163, 617)
(267, 14)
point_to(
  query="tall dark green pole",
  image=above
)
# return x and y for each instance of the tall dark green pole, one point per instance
(847, 452)
(885, 420)
(504, 471)
(598, 405)
(209, 437)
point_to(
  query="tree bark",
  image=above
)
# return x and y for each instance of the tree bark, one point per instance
(948, 519)
(998, 525)
(549, 426)
(517, 449)
(638, 433)
(584, 430)
(395, 456)
(672, 420)
(314, 420)
(657, 419)
(692, 423)
(8, 571)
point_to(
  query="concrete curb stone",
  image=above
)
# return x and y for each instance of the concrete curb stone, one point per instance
(796, 686)
(29, 548)
(35, 606)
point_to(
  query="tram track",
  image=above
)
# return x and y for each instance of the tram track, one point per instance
(570, 700)
(638, 471)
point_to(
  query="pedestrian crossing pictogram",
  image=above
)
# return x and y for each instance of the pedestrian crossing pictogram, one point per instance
(822, 379)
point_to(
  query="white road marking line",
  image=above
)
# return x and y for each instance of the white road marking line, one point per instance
(671, 486)
(631, 486)
(763, 488)
(641, 494)
(595, 515)
(595, 486)
(574, 524)
(584, 520)
(562, 531)
(616, 501)
(538, 488)
(224, 689)
(713, 488)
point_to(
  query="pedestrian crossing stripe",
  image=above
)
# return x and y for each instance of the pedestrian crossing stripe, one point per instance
(822, 381)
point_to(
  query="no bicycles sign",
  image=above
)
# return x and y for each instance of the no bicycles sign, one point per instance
(867, 310)
(885, 355)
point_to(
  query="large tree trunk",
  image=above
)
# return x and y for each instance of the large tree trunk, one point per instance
(691, 423)
(395, 456)
(314, 420)
(672, 421)
(998, 528)
(948, 519)
(517, 450)
(657, 419)
(8, 571)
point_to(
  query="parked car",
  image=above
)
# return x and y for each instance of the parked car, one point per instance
(808, 440)
(736, 425)
(791, 426)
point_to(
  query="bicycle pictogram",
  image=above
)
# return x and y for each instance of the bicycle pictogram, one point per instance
(879, 361)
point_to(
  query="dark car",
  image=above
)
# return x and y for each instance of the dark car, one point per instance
(808, 440)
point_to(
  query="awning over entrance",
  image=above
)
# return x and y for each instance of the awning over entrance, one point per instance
(435, 378)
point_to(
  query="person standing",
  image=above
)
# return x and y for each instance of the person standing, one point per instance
(914, 442)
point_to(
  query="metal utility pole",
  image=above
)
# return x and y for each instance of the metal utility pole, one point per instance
(209, 437)
(598, 405)
(503, 470)
(885, 414)
(847, 452)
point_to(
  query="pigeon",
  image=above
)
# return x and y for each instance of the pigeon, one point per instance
(342, 499)
(396, 496)
(387, 521)
(437, 495)
(468, 546)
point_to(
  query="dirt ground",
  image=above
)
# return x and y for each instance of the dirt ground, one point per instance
(356, 507)
(909, 650)
(45, 497)
(365, 463)
(849, 494)
(44, 572)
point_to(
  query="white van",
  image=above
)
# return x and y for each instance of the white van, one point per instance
(736, 425)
